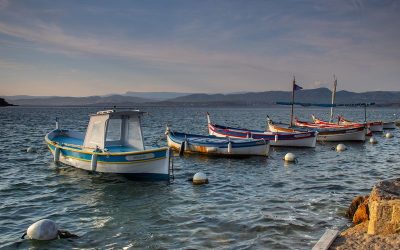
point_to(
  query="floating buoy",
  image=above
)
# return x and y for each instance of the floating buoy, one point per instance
(372, 140)
(200, 178)
(31, 150)
(43, 230)
(290, 157)
(388, 135)
(340, 147)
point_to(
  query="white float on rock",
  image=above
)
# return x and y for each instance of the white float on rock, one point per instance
(341, 147)
(200, 178)
(290, 157)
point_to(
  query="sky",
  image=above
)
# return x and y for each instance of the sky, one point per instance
(84, 47)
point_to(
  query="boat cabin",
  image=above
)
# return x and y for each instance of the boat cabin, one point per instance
(115, 129)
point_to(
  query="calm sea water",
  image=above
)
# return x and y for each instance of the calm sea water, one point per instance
(250, 203)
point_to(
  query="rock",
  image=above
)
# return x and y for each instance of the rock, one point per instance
(357, 201)
(384, 207)
(362, 213)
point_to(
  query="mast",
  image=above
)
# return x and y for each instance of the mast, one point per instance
(291, 114)
(333, 96)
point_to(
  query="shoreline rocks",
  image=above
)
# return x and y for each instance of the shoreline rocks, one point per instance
(376, 219)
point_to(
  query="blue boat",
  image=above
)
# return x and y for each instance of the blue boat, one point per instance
(211, 145)
(113, 143)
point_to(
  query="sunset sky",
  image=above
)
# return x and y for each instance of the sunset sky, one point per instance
(82, 48)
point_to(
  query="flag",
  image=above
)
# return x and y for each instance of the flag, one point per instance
(296, 87)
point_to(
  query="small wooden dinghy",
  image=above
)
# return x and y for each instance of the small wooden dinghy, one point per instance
(113, 143)
(283, 139)
(211, 145)
(326, 133)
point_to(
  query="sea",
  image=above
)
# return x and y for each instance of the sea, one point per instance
(249, 203)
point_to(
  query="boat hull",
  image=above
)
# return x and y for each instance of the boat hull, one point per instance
(294, 139)
(254, 147)
(389, 125)
(148, 164)
(353, 134)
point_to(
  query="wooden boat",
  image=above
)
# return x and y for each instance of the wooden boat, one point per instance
(285, 139)
(389, 125)
(325, 133)
(113, 143)
(211, 145)
(373, 126)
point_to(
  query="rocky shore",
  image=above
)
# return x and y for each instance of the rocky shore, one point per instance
(376, 219)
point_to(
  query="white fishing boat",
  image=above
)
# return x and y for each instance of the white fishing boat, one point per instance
(211, 145)
(325, 133)
(113, 143)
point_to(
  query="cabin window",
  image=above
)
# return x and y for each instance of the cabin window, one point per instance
(95, 138)
(114, 130)
(135, 134)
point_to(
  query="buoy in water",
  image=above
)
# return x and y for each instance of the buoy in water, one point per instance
(200, 178)
(290, 157)
(340, 147)
(372, 140)
(388, 135)
(43, 230)
(31, 150)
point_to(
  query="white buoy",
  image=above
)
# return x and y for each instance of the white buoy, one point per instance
(388, 135)
(340, 147)
(372, 140)
(290, 157)
(43, 230)
(200, 178)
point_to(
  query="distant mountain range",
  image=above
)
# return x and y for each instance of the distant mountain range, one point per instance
(319, 95)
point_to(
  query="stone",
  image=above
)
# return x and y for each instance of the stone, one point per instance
(384, 207)
(358, 200)
(362, 213)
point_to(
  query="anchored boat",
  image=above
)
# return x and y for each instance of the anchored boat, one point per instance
(286, 139)
(211, 145)
(374, 126)
(325, 133)
(113, 143)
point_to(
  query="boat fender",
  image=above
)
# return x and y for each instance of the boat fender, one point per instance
(229, 147)
(200, 178)
(290, 157)
(46, 230)
(93, 162)
(57, 152)
(276, 137)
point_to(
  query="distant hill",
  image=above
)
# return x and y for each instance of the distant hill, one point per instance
(319, 95)
(80, 101)
(4, 103)
(156, 96)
